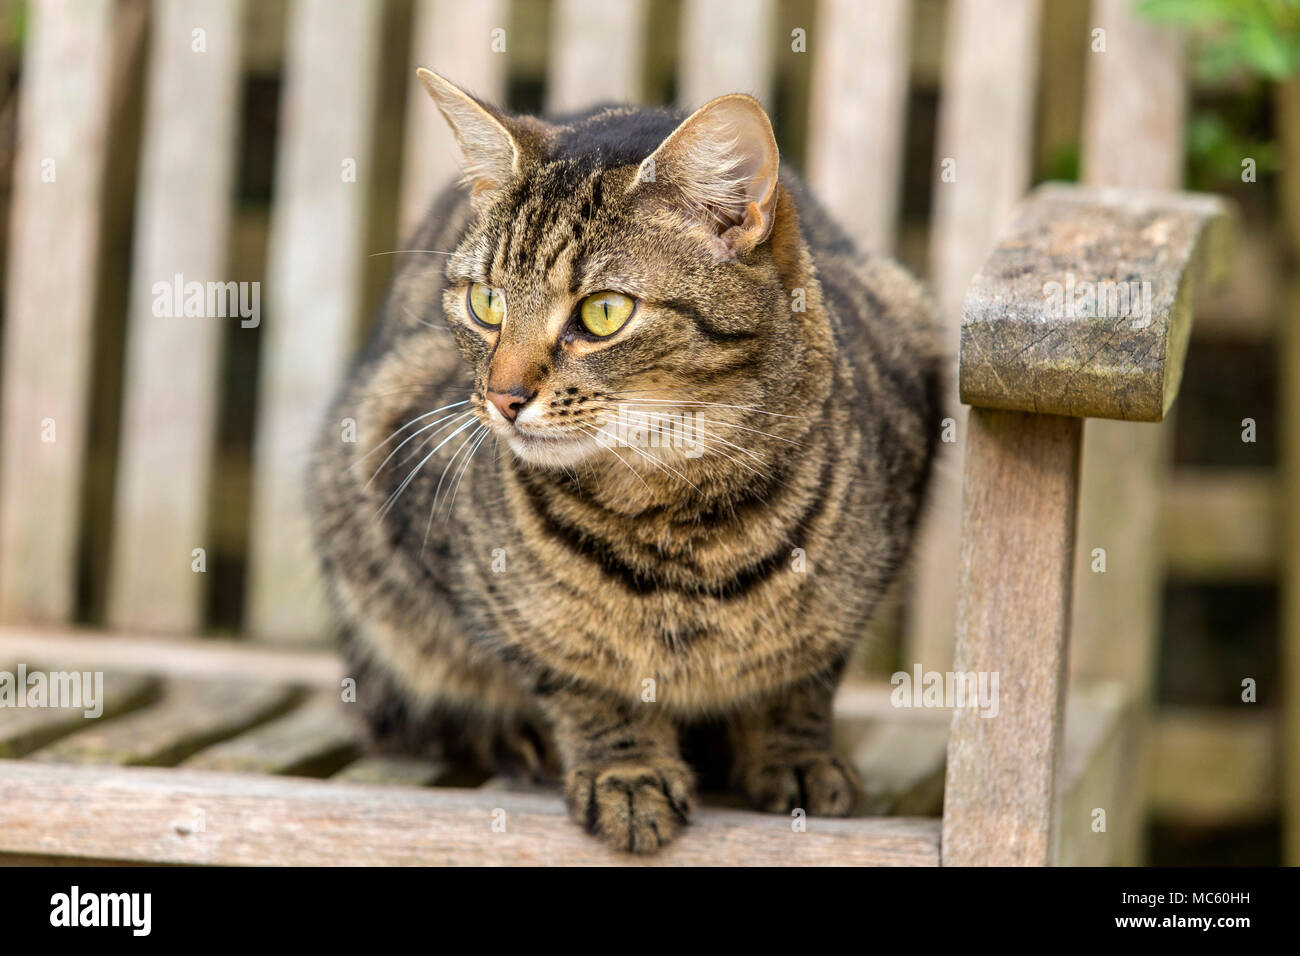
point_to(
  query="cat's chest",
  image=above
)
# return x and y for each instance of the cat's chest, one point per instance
(705, 622)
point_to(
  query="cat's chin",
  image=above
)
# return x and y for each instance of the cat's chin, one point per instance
(552, 452)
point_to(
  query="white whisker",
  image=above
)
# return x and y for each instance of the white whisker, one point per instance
(402, 428)
(387, 506)
(415, 434)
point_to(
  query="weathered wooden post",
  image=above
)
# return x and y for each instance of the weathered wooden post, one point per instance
(1083, 310)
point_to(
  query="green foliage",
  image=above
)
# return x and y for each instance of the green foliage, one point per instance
(1063, 164)
(15, 25)
(1262, 35)
(1216, 147)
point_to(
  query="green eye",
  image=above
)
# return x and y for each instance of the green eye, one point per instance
(605, 312)
(486, 304)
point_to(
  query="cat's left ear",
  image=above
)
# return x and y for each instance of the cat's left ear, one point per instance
(721, 164)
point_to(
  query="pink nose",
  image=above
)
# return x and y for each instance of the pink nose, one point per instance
(510, 403)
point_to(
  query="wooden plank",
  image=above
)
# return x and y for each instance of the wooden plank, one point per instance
(392, 771)
(858, 115)
(54, 247)
(1084, 308)
(1245, 306)
(174, 657)
(985, 119)
(1214, 767)
(1017, 561)
(1221, 524)
(899, 752)
(454, 39)
(509, 783)
(189, 716)
(901, 763)
(22, 731)
(1139, 79)
(1066, 45)
(1098, 754)
(1286, 102)
(172, 360)
(27, 859)
(726, 46)
(314, 740)
(1289, 583)
(597, 53)
(314, 282)
(984, 144)
(1134, 110)
(147, 814)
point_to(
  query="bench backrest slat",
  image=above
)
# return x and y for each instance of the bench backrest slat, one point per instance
(596, 53)
(858, 114)
(170, 380)
(453, 38)
(726, 46)
(1132, 137)
(55, 236)
(314, 285)
(985, 143)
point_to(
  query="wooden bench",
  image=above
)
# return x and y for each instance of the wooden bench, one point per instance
(233, 751)
(237, 726)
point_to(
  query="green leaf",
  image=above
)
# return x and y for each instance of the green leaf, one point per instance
(1266, 51)
(1197, 12)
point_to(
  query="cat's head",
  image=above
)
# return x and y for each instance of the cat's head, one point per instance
(620, 271)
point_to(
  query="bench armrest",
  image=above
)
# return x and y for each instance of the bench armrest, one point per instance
(1084, 308)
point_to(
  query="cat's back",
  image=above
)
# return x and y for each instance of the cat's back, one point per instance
(870, 295)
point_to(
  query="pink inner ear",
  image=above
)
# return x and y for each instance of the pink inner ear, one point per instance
(735, 149)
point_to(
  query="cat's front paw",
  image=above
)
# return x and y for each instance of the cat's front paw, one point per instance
(817, 782)
(636, 806)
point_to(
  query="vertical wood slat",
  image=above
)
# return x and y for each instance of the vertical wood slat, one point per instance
(858, 114)
(54, 245)
(172, 361)
(314, 280)
(985, 120)
(1132, 137)
(1289, 729)
(726, 47)
(1286, 106)
(452, 38)
(1017, 561)
(596, 53)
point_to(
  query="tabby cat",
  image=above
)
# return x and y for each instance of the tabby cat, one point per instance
(640, 444)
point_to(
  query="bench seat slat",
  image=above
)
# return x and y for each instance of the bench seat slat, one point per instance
(313, 740)
(392, 770)
(189, 716)
(140, 813)
(24, 730)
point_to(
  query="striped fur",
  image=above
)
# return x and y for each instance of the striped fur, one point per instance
(572, 612)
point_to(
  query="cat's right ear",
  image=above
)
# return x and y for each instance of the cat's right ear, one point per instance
(491, 151)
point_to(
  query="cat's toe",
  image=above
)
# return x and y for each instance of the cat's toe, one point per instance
(819, 783)
(637, 807)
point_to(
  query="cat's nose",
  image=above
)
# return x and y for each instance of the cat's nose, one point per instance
(510, 403)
